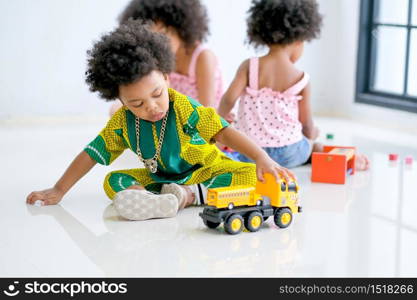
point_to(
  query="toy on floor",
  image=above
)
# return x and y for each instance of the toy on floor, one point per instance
(329, 136)
(393, 157)
(333, 164)
(249, 206)
(408, 160)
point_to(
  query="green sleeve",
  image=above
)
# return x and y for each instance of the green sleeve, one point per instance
(109, 144)
(209, 123)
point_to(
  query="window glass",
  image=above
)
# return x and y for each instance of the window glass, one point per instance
(414, 13)
(392, 11)
(412, 67)
(390, 48)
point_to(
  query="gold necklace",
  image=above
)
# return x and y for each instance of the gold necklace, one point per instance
(151, 163)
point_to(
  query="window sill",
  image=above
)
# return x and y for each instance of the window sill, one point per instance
(406, 104)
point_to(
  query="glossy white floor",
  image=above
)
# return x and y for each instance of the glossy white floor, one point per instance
(366, 227)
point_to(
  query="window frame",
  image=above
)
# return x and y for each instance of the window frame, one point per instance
(365, 69)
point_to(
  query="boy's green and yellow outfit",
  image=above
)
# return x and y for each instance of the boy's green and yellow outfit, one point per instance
(188, 154)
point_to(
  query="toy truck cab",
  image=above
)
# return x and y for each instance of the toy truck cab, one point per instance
(282, 196)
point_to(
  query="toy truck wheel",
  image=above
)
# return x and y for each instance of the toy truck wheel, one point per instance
(254, 221)
(234, 224)
(283, 217)
(210, 224)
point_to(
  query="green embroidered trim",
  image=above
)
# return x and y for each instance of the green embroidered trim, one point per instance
(120, 181)
(191, 128)
(97, 151)
(222, 180)
(196, 139)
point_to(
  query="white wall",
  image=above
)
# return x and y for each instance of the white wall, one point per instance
(228, 34)
(43, 55)
(44, 45)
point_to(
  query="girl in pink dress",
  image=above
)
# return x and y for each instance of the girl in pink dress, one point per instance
(197, 73)
(274, 107)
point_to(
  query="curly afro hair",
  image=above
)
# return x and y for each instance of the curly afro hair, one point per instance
(125, 55)
(187, 17)
(283, 21)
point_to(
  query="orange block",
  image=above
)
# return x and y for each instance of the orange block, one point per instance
(332, 165)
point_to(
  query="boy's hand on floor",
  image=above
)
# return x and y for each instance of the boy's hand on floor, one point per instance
(266, 165)
(48, 197)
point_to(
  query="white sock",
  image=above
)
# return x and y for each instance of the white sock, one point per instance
(200, 193)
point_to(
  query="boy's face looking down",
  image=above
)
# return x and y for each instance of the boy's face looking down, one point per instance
(147, 98)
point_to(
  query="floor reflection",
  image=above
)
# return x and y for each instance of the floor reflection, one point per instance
(177, 247)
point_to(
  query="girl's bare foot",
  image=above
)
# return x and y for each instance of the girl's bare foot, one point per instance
(317, 147)
(361, 162)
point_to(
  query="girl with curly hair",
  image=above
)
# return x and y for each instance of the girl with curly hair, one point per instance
(171, 133)
(274, 107)
(185, 22)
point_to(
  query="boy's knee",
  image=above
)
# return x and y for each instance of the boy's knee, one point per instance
(117, 181)
(107, 188)
(107, 179)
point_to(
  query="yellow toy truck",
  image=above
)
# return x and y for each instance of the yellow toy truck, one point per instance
(250, 206)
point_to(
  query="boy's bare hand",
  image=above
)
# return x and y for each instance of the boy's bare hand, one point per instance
(48, 197)
(266, 165)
